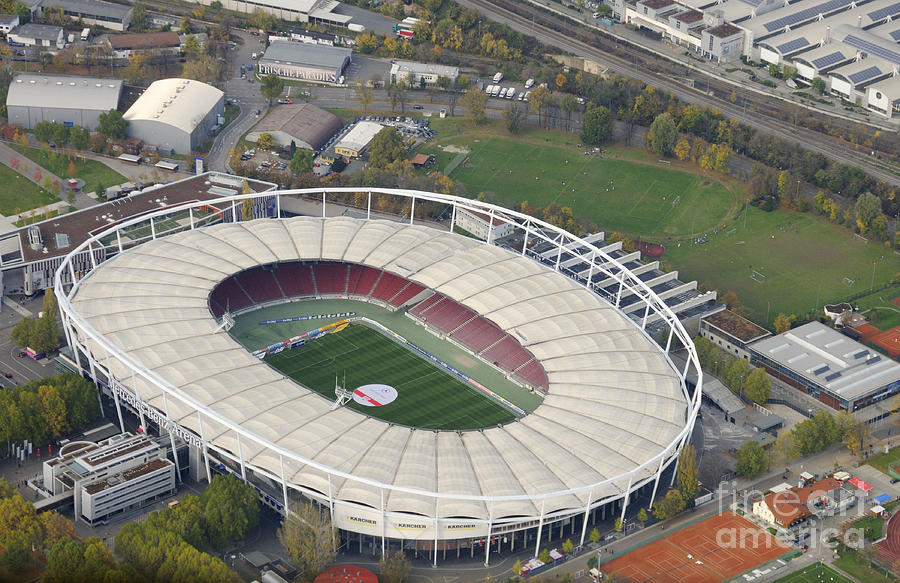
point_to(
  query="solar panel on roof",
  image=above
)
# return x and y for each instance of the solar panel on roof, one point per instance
(828, 60)
(753, 3)
(807, 14)
(873, 49)
(792, 45)
(896, 34)
(832, 376)
(864, 75)
(885, 12)
(873, 360)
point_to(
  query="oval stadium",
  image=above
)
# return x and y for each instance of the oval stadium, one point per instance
(427, 385)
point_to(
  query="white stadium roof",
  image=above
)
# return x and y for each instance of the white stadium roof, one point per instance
(182, 103)
(614, 401)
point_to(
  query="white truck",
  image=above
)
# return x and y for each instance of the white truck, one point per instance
(356, 27)
(511, 92)
(495, 91)
(498, 77)
(529, 84)
(86, 34)
(488, 89)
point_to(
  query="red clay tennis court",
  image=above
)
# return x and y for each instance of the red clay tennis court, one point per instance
(692, 554)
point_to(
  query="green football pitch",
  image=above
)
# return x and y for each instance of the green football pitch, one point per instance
(427, 397)
(817, 573)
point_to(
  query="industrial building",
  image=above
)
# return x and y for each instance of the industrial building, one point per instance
(91, 12)
(175, 115)
(304, 124)
(312, 11)
(70, 100)
(421, 74)
(124, 45)
(37, 35)
(833, 368)
(357, 139)
(112, 477)
(305, 61)
(849, 44)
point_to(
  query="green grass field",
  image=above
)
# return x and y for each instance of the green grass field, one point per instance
(20, 194)
(816, 573)
(647, 200)
(877, 306)
(886, 461)
(91, 171)
(427, 397)
(801, 256)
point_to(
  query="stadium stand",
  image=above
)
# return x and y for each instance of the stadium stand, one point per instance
(260, 285)
(426, 304)
(407, 293)
(366, 280)
(508, 354)
(331, 278)
(447, 315)
(353, 275)
(533, 374)
(478, 334)
(295, 279)
(229, 295)
(387, 286)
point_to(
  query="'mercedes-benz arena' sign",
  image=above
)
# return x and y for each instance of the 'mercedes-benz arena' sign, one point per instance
(370, 522)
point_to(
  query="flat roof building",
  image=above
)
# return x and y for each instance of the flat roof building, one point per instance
(123, 45)
(314, 11)
(89, 12)
(421, 74)
(731, 333)
(304, 124)
(309, 62)
(829, 366)
(357, 139)
(66, 99)
(175, 115)
(37, 35)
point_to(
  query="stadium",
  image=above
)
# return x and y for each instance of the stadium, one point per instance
(571, 408)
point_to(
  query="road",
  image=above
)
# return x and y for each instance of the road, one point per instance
(248, 97)
(806, 138)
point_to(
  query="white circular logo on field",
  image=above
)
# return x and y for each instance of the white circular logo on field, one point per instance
(374, 395)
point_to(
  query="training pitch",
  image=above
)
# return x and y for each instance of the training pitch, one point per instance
(817, 573)
(427, 397)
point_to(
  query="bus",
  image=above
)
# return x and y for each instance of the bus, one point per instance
(86, 34)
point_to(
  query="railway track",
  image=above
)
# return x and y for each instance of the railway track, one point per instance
(809, 139)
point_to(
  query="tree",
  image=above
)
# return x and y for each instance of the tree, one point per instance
(544, 556)
(567, 546)
(231, 508)
(517, 568)
(757, 386)
(663, 134)
(271, 87)
(569, 105)
(815, 434)
(642, 516)
(475, 102)
(593, 561)
(687, 473)
(670, 505)
(751, 459)
(783, 323)
(247, 210)
(191, 45)
(819, 85)
(364, 92)
(79, 137)
(594, 535)
(308, 536)
(596, 127)
(43, 131)
(867, 207)
(617, 525)
(539, 98)
(140, 18)
(514, 116)
(394, 568)
(855, 432)
(683, 149)
(386, 147)
(301, 162)
(265, 141)
(112, 124)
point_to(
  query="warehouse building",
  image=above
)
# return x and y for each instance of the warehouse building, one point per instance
(357, 140)
(313, 11)
(308, 62)
(37, 35)
(112, 477)
(125, 45)
(175, 115)
(421, 74)
(833, 368)
(70, 100)
(91, 12)
(306, 125)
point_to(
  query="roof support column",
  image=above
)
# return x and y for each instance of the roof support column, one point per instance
(331, 514)
(436, 499)
(646, 313)
(525, 241)
(71, 273)
(671, 333)
(537, 545)
(453, 218)
(323, 204)
(287, 507)
(487, 541)
(625, 500)
(369, 206)
(659, 470)
(277, 206)
(241, 457)
(140, 409)
(175, 456)
(621, 285)
(234, 212)
(490, 234)
(119, 237)
(91, 254)
(383, 520)
(112, 386)
(205, 449)
(152, 229)
(412, 210)
(587, 510)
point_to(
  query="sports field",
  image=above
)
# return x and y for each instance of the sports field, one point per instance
(427, 396)
(651, 200)
(712, 550)
(817, 573)
(800, 257)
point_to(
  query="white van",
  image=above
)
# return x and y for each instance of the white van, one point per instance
(498, 77)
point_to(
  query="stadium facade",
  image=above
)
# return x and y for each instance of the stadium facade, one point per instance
(615, 413)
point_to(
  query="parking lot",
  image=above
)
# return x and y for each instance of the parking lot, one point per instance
(417, 130)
